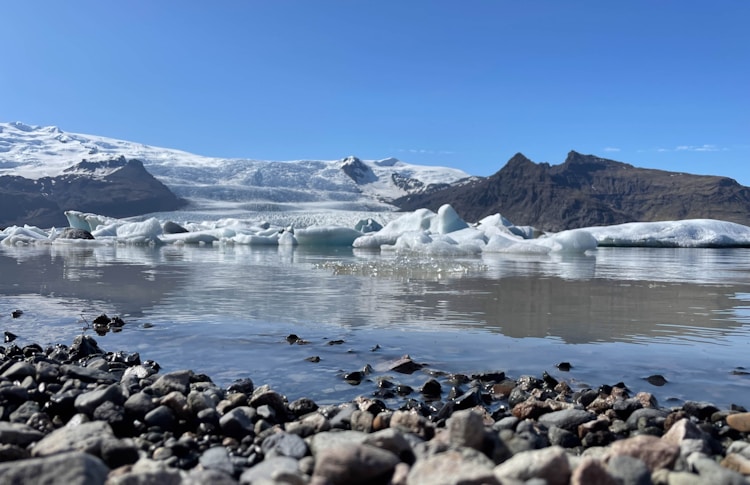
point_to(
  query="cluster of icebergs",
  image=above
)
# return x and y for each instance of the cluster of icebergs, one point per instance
(424, 231)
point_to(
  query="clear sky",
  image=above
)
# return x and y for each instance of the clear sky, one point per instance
(467, 84)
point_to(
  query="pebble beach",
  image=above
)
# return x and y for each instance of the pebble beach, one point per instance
(78, 414)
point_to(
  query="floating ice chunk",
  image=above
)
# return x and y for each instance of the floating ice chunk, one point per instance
(22, 236)
(86, 221)
(197, 237)
(508, 243)
(574, 241)
(326, 236)
(448, 220)
(147, 231)
(287, 238)
(689, 233)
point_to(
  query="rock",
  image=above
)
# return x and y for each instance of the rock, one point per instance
(568, 419)
(739, 421)
(264, 395)
(413, 423)
(405, 365)
(146, 472)
(217, 458)
(140, 404)
(335, 439)
(654, 452)
(550, 464)
(162, 417)
(19, 371)
(88, 401)
(392, 440)
(203, 477)
(683, 429)
(562, 437)
(285, 444)
(466, 428)
(711, 472)
(461, 465)
(170, 227)
(74, 468)
(86, 437)
(238, 422)
(18, 434)
(83, 346)
(629, 470)
(174, 381)
(737, 462)
(645, 415)
(591, 471)
(268, 469)
(117, 452)
(357, 463)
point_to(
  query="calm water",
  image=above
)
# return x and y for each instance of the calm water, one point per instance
(616, 315)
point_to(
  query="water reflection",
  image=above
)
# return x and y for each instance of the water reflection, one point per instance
(618, 314)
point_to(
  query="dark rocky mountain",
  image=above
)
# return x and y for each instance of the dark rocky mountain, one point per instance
(588, 191)
(115, 188)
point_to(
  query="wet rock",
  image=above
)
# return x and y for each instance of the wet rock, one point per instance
(564, 366)
(174, 381)
(70, 468)
(550, 464)
(87, 402)
(656, 380)
(652, 451)
(16, 313)
(357, 463)
(244, 386)
(84, 346)
(405, 365)
(9, 337)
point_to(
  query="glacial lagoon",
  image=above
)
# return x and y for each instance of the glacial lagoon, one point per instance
(614, 314)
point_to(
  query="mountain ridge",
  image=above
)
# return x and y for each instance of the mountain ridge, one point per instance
(587, 190)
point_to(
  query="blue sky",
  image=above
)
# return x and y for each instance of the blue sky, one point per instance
(658, 84)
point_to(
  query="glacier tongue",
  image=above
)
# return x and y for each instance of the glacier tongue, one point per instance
(37, 151)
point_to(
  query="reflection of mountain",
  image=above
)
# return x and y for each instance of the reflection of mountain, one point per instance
(582, 311)
(113, 277)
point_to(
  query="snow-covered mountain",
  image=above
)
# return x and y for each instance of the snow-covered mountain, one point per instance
(46, 151)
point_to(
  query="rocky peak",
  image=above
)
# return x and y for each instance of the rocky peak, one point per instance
(357, 170)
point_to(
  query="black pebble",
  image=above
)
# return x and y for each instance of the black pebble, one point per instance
(16, 313)
(656, 380)
(9, 337)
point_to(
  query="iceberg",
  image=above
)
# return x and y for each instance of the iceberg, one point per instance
(421, 231)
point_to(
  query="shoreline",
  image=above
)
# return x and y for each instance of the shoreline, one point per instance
(79, 414)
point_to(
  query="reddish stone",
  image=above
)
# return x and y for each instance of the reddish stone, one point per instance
(652, 451)
(739, 421)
